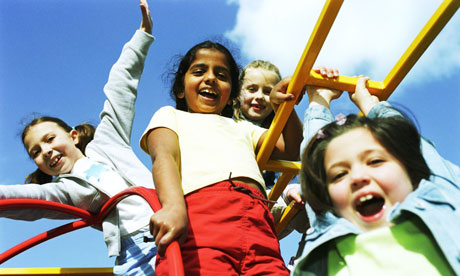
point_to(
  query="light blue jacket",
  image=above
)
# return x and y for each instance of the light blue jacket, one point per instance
(436, 202)
(111, 146)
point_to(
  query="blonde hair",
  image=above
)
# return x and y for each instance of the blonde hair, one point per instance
(262, 64)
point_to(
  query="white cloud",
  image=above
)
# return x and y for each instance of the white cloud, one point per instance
(368, 37)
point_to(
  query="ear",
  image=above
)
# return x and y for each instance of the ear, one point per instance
(181, 95)
(74, 136)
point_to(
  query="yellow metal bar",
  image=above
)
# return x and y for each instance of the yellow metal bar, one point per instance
(283, 166)
(344, 83)
(316, 41)
(99, 271)
(429, 32)
(280, 185)
(288, 214)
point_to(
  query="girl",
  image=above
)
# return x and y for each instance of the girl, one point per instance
(257, 80)
(199, 151)
(72, 173)
(381, 198)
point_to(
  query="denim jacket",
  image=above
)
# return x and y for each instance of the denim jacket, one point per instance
(436, 202)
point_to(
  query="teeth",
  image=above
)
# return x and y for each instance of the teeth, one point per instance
(55, 161)
(365, 198)
(209, 92)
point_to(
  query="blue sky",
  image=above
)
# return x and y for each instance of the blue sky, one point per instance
(55, 57)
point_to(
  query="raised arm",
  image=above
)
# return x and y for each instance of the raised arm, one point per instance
(287, 146)
(170, 223)
(121, 89)
(318, 113)
(371, 107)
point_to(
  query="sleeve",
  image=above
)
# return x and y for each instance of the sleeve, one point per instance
(112, 140)
(121, 91)
(66, 193)
(383, 110)
(256, 133)
(315, 118)
(164, 117)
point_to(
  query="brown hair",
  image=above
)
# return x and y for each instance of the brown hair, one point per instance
(396, 134)
(85, 135)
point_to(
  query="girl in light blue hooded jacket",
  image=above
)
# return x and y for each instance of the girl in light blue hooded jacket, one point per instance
(76, 169)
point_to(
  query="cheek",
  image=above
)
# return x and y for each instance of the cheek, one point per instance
(339, 196)
(267, 98)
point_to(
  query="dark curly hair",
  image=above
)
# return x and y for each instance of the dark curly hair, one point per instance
(178, 76)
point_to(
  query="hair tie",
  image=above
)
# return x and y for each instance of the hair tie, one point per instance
(340, 119)
(320, 134)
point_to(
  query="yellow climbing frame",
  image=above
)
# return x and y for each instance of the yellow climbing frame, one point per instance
(304, 76)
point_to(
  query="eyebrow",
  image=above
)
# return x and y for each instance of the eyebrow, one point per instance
(361, 155)
(204, 65)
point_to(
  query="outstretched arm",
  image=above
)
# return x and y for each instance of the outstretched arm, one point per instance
(170, 223)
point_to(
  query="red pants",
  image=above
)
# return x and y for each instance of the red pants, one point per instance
(230, 233)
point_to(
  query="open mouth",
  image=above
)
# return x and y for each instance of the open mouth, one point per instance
(369, 205)
(257, 107)
(55, 160)
(208, 94)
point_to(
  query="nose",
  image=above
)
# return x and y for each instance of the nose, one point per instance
(47, 151)
(259, 95)
(359, 178)
(210, 77)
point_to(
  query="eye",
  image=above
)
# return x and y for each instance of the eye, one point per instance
(222, 75)
(50, 139)
(198, 72)
(34, 153)
(376, 161)
(267, 91)
(251, 88)
(336, 176)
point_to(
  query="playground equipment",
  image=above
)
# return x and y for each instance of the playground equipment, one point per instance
(86, 219)
(304, 76)
(301, 77)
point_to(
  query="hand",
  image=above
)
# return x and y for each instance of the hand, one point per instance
(168, 225)
(293, 194)
(326, 72)
(362, 98)
(321, 95)
(146, 24)
(278, 94)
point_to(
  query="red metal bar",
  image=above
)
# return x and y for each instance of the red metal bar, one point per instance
(87, 219)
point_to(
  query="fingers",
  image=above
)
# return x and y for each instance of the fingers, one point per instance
(362, 82)
(146, 24)
(327, 72)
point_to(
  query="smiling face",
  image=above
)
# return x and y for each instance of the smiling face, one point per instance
(364, 179)
(255, 93)
(52, 148)
(207, 83)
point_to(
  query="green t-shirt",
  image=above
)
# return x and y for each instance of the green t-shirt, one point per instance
(407, 248)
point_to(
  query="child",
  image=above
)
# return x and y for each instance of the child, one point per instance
(257, 79)
(199, 151)
(109, 167)
(382, 199)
